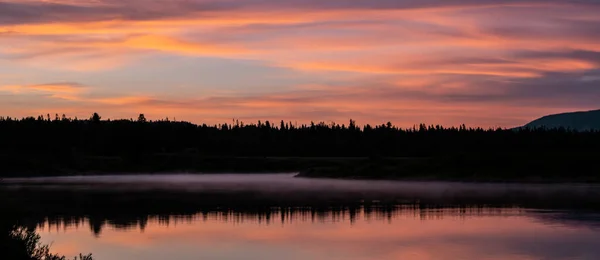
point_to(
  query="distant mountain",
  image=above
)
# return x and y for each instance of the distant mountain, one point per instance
(580, 121)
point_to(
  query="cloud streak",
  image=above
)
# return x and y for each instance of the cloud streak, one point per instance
(18, 12)
(63, 90)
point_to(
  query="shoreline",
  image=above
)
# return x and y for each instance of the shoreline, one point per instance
(554, 168)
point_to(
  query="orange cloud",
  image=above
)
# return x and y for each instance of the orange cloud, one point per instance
(168, 44)
(67, 91)
(125, 100)
(412, 71)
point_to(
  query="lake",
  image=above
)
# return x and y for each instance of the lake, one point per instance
(276, 216)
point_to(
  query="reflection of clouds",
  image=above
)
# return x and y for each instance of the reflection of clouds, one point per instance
(489, 234)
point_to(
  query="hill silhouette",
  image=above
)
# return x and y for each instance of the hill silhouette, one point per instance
(578, 121)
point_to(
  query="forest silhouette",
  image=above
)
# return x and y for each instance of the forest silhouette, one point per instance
(58, 145)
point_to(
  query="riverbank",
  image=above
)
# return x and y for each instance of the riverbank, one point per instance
(539, 168)
(38, 166)
(576, 168)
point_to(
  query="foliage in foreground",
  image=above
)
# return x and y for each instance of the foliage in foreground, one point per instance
(23, 243)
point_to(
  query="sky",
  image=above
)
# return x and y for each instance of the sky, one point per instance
(487, 63)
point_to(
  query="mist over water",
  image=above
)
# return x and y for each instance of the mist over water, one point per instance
(285, 184)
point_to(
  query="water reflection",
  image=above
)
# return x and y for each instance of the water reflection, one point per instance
(277, 215)
(280, 217)
(381, 232)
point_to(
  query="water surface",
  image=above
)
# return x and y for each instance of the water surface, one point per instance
(281, 217)
(402, 234)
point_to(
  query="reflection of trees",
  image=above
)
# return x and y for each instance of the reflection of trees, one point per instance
(288, 215)
(18, 225)
(19, 242)
(97, 209)
(590, 219)
(273, 215)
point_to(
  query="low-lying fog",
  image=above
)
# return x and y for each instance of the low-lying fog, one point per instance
(287, 183)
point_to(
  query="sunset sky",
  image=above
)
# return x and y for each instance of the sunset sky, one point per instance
(484, 63)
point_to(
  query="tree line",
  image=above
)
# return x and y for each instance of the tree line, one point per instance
(61, 140)
(93, 136)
